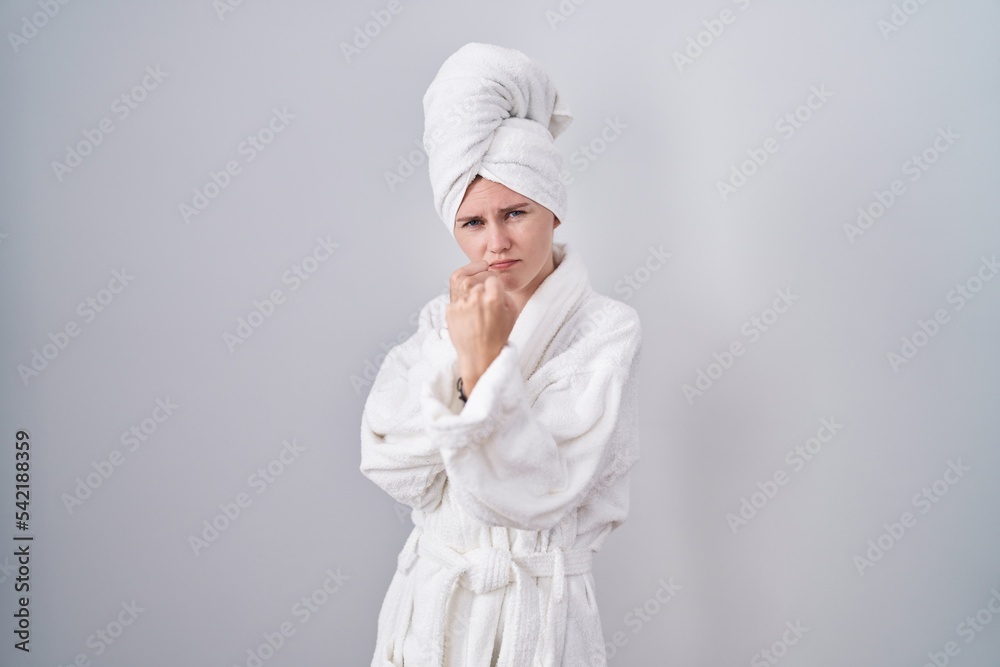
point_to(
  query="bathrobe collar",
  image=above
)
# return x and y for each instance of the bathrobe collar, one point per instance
(549, 307)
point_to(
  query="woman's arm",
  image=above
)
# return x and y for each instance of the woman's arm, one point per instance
(396, 454)
(527, 464)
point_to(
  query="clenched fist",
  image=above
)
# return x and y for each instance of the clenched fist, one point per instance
(480, 317)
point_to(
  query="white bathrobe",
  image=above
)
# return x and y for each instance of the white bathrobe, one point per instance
(513, 491)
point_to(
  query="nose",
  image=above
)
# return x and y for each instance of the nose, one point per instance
(498, 238)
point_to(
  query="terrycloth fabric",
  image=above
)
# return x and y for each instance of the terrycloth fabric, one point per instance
(493, 111)
(513, 491)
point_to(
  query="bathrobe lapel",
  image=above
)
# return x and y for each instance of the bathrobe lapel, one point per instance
(547, 309)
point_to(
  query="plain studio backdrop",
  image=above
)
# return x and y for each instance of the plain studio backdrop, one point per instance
(215, 218)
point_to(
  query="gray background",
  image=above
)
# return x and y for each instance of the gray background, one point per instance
(301, 374)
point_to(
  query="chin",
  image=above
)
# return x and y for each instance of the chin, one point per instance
(510, 282)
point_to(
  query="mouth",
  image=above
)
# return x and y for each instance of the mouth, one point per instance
(505, 264)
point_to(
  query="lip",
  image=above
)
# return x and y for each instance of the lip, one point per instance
(505, 264)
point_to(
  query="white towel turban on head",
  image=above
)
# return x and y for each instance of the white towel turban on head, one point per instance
(493, 111)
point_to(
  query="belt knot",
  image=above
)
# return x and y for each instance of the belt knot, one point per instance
(488, 569)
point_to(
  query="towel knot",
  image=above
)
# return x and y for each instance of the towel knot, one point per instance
(493, 111)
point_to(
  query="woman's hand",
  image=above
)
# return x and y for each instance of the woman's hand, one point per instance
(466, 277)
(479, 323)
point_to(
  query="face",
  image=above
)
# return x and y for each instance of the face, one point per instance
(495, 223)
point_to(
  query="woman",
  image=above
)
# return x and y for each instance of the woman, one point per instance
(508, 421)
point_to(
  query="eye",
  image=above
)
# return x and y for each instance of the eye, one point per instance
(470, 223)
(518, 211)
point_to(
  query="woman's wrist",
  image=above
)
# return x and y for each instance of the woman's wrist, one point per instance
(468, 382)
(472, 369)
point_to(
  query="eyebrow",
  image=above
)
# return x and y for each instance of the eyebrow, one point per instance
(505, 209)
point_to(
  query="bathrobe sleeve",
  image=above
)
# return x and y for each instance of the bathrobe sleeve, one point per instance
(524, 462)
(396, 453)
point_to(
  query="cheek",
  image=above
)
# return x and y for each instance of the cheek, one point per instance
(470, 249)
(539, 244)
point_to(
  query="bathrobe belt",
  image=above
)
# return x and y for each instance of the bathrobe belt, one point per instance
(486, 569)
